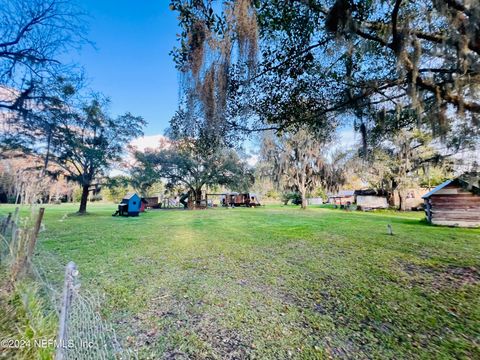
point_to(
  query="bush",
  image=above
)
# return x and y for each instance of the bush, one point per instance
(292, 197)
(271, 194)
(319, 193)
(77, 194)
(97, 197)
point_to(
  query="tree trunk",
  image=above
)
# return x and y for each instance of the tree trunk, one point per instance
(392, 187)
(304, 200)
(391, 199)
(198, 198)
(402, 199)
(47, 156)
(83, 201)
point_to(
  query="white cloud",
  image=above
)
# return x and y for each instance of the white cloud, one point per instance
(150, 141)
(347, 137)
(117, 172)
(141, 143)
(252, 160)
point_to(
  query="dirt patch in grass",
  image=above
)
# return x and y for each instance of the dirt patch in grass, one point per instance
(442, 277)
(171, 318)
(227, 344)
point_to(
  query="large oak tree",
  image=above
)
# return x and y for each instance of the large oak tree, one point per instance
(344, 59)
(298, 161)
(191, 165)
(87, 141)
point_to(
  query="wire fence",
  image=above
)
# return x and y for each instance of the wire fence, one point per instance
(82, 332)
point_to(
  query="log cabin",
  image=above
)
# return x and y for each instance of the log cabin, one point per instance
(456, 202)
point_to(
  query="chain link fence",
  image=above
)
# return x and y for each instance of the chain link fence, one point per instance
(82, 332)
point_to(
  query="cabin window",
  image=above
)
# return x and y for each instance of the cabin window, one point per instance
(134, 203)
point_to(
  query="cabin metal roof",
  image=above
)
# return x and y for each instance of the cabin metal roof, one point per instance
(343, 193)
(469, 181)
(438, 188)
(371, 192)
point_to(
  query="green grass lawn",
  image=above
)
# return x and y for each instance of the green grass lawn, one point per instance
(275, 282)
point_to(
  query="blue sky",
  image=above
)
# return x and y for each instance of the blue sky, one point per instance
(131, 64)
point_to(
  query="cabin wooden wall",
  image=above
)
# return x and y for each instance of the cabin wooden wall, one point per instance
(455, 206)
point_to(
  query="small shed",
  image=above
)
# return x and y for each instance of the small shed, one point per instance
(143, 204)
(371, 199)
(240, 199)
(152, 202)
(456, 202)
(342, 197)
(133, 202)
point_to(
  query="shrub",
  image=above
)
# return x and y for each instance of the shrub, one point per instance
(97, 197)
(271, 194)
(293, 197)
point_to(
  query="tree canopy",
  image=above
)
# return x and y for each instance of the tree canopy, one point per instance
(344, 60)
(34, 34)
(183, 163)
(88, 140)
(298, 161)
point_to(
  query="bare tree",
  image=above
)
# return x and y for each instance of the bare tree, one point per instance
(22, 181)
(34, 34)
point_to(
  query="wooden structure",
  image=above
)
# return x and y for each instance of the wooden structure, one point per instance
(240, 199)
(168, 203)
(151, 202)
(130, 205)
(207, 200)
(342, 197)
(456, 202)
(371, 199)
(413, 198)
(143, 204)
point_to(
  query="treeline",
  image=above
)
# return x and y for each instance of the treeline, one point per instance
(403, 75)
(49, 119)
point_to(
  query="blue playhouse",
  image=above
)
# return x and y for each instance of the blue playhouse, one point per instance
(130, 205)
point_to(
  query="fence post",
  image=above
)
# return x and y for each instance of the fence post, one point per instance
(5, 223)
(36, 229)
(68, 289)
(14, 221)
